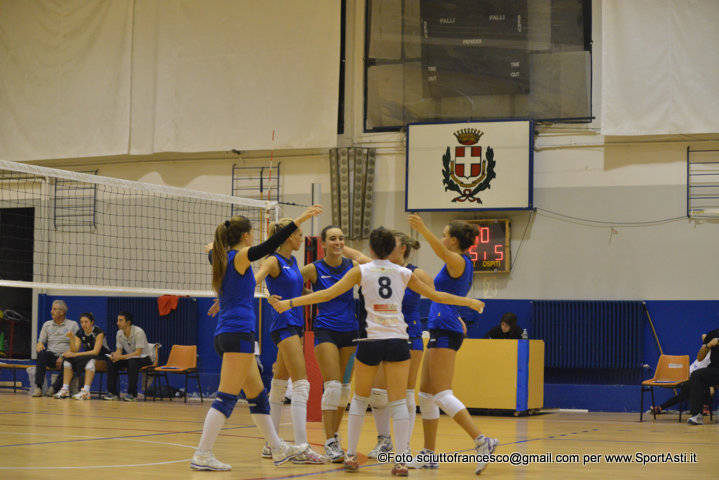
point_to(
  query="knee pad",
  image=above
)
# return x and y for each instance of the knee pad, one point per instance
(411, 403)
(260, 404)
(358, 406)
(90, 367)
(66, 364)
(378, 398)
(278, 388)
(398, 410)
(428, 407)
(331, 395)
(224, 403)
(300, 392)
(346, 395)
(448, 403)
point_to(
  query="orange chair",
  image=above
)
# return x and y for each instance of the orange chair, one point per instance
(672, 370)
(183, 361)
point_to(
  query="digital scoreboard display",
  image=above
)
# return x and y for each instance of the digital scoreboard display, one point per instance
(490, 252)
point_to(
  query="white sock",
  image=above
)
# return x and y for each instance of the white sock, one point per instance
(358, 408)
(86, 388)
(300, 397)
(400, 419)
(214, 421)
(411, 409)
(66, 386)
(264, 424)
(381, 420)
(276, 415)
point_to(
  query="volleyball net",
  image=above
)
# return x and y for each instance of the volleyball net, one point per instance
(77, 231)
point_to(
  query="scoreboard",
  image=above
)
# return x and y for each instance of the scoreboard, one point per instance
(491, 249)
(474, 48)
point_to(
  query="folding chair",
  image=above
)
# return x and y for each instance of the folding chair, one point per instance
(182, 361)
(671, 371)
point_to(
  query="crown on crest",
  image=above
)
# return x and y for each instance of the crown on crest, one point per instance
(468, 136)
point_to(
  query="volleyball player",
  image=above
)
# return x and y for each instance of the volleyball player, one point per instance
(446, 335)
(335, 328)
(283, 278)
(410, 311)
(383, 284)
(234, 282)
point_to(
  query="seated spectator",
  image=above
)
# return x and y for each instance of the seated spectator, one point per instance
(507, 328)
(53, 342)
(132, 341)
(700, 380)
(684, 389)
(88, 345)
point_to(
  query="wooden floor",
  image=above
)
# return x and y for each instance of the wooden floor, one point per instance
(48, 438)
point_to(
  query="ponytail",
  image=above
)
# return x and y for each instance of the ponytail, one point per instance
(409, 242)
(227, 235)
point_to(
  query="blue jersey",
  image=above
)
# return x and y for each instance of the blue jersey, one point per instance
(288, 284)
(410, 310)
(237, 296)
(339, 313)
(442, 316)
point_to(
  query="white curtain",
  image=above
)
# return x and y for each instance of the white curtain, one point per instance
(64, 78)
(92, 77)
(660, 67)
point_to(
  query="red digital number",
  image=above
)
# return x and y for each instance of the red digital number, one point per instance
(499, 250)
(473, 253)
(484, 234)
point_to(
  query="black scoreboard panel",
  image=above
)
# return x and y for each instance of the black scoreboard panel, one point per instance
(491, 249)
(474, 47)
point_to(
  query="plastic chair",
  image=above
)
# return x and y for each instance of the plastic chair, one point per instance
(182, 361)
(671, 371)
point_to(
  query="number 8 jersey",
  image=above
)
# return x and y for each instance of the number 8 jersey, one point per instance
(383, 285)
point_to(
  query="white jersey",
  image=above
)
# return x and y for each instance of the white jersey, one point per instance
(383, 285)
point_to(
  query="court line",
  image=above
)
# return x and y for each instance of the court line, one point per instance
(104, 438)
(105, 417)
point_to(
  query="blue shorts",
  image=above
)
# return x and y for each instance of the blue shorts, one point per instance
(445, 339)
(341, 339)
(283, 333)
(235, 343)
(415, 343)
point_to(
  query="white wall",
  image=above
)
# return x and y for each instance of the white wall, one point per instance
(625, 182)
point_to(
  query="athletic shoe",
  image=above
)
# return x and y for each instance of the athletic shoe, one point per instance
(63, 393)
(37, 392)
(697, 419)
(484, 446)
(82, 395)
(110, 396)
(287, 452)
(266, 451)
(351, 463)
(207, 461)
(400, 470)
(384, 445)
(310, 457)
(416, 463)
(129, 398)
(334, 451)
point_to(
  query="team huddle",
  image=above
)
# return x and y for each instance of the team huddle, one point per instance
(386, 340)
